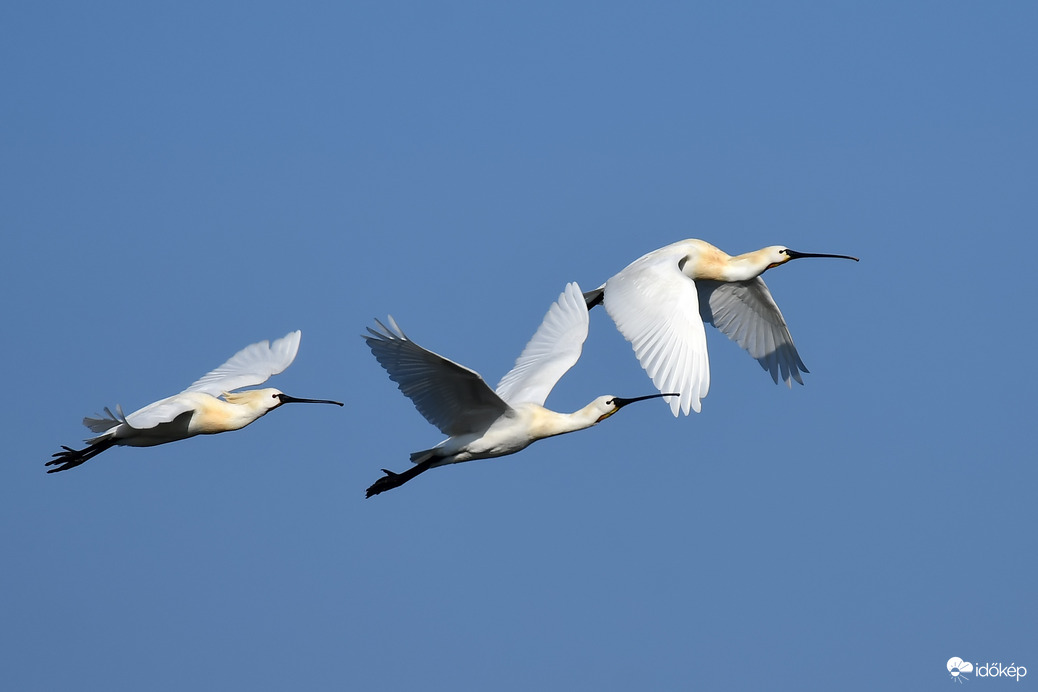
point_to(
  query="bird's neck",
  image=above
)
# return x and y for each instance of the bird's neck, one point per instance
(704, 261)
(745, 267)
(221, 416)
(245, 414)
(548, 423)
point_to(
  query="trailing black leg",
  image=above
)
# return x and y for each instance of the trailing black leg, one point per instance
(593, 298)
(392, 480)
(71, 458)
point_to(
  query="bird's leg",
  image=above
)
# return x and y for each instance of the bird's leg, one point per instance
(593, 298)
(392, 480)
(71, 458)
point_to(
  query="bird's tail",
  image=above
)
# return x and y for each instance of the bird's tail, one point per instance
(71, 458)
(104, 423)
(425, 454)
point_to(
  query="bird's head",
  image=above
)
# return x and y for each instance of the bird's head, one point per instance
(774, 255)
(606, 406)
(269, 399)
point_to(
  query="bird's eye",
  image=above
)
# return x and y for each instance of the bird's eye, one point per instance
(273, 396)
(782, 251)
(610, 402)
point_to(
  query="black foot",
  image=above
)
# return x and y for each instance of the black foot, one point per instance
(71, 458)
(387, 482)
(392, 480)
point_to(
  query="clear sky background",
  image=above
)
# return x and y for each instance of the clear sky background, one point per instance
(180, 180)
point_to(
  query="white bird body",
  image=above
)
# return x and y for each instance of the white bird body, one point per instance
(206, 407)
(661, 301)
(185, 415)
(482, 423)
(515, 430)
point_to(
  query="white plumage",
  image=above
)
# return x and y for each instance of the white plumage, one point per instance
(206, 407)
(661, 301)
(481, 422)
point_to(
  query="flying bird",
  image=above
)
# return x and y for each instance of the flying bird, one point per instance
(661, 300)
(481, 422)
(207, 407)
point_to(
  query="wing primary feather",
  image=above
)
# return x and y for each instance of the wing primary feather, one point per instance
(746, 313)
(450, 396)
(252, 365)
(656, 308)
(554, 348)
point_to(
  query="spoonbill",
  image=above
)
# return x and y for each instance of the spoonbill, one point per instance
(660, 301)
(482, 423)
(207, 407)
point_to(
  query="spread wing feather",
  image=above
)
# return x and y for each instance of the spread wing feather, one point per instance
(450, 396)
(747, 314)
(554, 348)
(252, 365)
(655, 307)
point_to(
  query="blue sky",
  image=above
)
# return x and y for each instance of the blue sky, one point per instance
(179, 181)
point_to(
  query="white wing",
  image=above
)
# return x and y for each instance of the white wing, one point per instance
(655, 307)
(747, 314)
(162, 411)
(250, 366)
(554, 349)
(450, 396)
